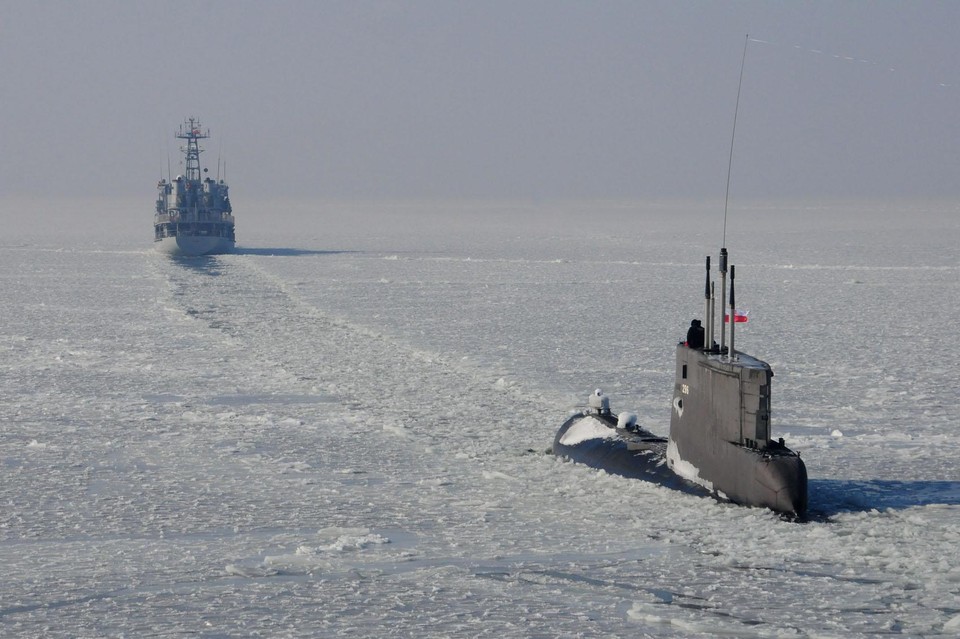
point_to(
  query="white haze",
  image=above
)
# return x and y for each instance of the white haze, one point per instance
(340, 430)
(438, 98)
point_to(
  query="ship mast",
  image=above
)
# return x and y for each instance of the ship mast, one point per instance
(190, 131)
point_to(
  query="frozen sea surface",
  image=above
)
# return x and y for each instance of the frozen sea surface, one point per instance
(340, 429)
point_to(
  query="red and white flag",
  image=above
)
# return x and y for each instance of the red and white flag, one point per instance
(739, 316)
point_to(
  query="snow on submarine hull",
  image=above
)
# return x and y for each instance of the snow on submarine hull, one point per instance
(719, 428)
(602, 440)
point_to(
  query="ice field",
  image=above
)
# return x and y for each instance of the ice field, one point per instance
(340, 430)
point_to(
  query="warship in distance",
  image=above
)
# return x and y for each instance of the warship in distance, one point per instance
(193, 215)
(719, 441)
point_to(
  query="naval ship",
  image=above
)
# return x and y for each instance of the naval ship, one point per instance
(193, 215)
(720, 441)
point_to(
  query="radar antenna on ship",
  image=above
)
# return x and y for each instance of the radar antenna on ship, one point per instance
(192, 133)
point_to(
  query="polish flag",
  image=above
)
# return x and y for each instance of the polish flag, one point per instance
(739, 316)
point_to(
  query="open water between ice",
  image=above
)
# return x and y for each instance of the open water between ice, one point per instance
(340, 430)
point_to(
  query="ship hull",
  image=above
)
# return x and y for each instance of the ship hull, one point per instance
(193, 245)
(594, 440)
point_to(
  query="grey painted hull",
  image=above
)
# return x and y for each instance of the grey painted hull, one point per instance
(771, 478)
(193, 246)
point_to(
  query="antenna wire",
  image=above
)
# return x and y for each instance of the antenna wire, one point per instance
(733, 136)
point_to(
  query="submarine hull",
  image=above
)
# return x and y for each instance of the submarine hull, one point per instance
(719, 427)
(775, 478)
(595, 440)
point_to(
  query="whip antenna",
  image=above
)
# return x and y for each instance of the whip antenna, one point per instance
(733, 136)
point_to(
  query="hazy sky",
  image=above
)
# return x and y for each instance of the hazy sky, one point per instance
(484, 98)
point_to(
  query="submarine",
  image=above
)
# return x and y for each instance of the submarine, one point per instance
(719, 442)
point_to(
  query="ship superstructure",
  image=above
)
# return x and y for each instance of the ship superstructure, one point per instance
(193, 214)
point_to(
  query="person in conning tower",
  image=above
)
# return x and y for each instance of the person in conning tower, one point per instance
(695, 335)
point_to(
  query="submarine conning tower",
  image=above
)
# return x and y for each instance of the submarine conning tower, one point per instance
(720, 420)
(720, 399)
